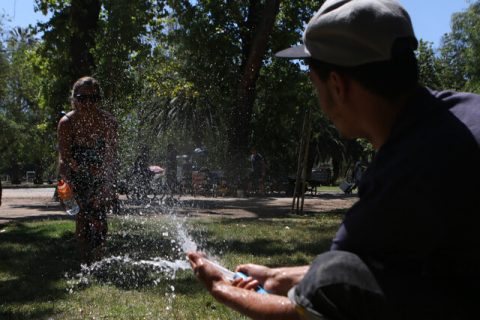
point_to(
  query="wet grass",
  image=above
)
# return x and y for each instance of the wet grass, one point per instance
(39, 266)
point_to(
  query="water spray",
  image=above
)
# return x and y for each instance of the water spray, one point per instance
(230, 275)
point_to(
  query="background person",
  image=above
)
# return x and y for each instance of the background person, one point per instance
(357, 173)
(258, 171)
(87, 138)
(186, 183)
(408, 248)
(171, 167)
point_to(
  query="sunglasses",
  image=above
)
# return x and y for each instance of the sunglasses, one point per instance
(88, 98)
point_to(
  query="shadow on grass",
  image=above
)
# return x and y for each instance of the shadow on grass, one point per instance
(39, 207)
(147, 206)
(38, 218)
(140, 256)
(32, 262)
(260, 207)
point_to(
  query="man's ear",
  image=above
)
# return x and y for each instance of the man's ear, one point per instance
(339, 87)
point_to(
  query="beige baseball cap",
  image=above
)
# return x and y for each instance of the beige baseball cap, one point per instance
(354, 32)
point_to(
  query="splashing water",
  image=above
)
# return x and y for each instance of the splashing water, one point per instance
(186, 242)
(148, 245)
(153, 250)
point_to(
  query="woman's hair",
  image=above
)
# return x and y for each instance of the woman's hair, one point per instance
(389, 79)
(85, 82)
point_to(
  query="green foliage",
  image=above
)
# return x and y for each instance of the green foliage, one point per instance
(121, 49)
(184, 72)
(460, 51)
(428, 65)
(26, 143)
(61, 37)
(170, 72)
(284, 92)
(455, 64)
(208, 45)
(466, 35)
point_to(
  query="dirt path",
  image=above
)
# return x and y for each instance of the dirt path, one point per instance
(263, 207)
(30, 204)
(21, 204)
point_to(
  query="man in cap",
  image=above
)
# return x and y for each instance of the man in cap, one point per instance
(408, 248)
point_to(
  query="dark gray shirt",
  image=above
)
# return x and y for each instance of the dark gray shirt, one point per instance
(417, 221)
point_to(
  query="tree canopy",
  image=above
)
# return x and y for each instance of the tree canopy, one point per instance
(193, 73)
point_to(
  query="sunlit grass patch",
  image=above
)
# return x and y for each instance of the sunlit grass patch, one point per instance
(274, 242)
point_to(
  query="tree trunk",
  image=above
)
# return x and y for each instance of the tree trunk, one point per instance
(15, 173)
(84, 16)
(260, 22)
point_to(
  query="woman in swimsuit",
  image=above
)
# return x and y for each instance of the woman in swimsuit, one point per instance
(87, 138)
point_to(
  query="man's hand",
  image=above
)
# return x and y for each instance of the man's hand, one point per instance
(248, 283)
(247, 302)
(205, 271)
(276, 281)
(263, 275)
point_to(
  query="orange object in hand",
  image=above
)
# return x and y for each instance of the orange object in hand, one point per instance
(65, 193)
(64, 190)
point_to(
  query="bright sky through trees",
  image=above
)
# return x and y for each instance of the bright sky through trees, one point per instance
(431, 18)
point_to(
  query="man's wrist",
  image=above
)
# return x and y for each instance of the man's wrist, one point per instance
(219, 289)
(273, 273)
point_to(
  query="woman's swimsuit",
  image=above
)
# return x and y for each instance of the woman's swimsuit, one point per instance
(91, 221)
(87, 185)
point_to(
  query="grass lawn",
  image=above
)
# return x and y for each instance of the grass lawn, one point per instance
(328, 189)
(41, 278)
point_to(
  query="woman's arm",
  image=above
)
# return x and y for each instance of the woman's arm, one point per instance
(65, 140)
